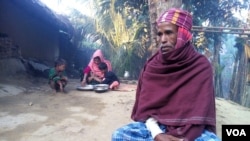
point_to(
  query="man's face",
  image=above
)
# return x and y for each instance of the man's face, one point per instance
(167, 33)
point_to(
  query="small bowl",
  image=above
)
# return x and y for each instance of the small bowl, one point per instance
(100, 88)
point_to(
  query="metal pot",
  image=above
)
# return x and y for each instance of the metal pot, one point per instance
(100, 88)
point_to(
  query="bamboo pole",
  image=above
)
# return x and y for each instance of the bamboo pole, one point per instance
(225, 30)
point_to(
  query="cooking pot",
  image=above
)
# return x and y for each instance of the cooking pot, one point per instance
(100, 88)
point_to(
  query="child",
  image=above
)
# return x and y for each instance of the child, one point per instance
(57, 76)
(110, 77)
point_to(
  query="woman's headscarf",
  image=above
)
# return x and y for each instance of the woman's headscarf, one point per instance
(94, 67)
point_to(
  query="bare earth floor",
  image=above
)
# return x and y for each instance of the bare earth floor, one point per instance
(30, 111)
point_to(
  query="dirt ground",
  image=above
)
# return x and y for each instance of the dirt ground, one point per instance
(31, 111)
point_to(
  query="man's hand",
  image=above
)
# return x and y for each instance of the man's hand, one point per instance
(165, 137)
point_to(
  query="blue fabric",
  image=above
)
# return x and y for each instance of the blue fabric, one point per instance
(207, 136)
(137, 131)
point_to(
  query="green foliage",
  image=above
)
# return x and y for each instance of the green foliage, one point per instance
(88, 44)
(84, 29)
(123, 27)
(217, 13)
(117, 24)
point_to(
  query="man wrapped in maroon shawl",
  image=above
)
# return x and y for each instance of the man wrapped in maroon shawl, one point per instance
(175, 88)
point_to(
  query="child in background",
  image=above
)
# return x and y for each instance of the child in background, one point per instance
(110, 77)
(57, 76)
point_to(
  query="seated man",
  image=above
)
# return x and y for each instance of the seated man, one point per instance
(175, 98)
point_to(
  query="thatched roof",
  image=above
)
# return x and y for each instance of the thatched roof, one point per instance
(39, 10)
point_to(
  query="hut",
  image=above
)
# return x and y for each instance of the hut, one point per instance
(29, 30)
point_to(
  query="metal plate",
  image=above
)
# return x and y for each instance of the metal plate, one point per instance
(85, 88)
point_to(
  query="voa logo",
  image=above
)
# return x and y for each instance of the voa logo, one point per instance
(236, 132)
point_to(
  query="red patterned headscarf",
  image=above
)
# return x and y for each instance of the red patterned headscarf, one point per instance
(183, 20)
(178, 17)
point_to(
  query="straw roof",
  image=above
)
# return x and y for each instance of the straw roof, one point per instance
(39, 10)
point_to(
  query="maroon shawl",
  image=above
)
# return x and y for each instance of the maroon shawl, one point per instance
(177, 90)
